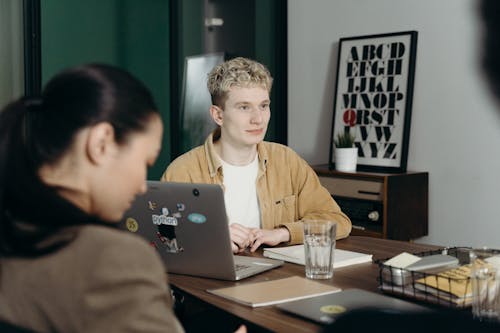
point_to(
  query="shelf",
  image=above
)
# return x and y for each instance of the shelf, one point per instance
(400, 199)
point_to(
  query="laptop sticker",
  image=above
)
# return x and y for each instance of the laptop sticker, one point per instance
(181, 207)
(332, 309)
(166, 223)
(166, 234)
(152, 205)
(163, 219)
(132, 224)
(197, 218)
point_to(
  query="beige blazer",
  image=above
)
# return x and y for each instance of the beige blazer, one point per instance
(105, 280)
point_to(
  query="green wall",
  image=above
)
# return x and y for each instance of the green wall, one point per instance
(135, 35)
(130, 34)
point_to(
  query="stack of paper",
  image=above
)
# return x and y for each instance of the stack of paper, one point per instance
(295, 254)
(435, 278)
(453, 284)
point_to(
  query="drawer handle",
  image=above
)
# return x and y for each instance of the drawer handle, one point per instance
(368, 192)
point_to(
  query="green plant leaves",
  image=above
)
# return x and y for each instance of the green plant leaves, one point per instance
(344, 140)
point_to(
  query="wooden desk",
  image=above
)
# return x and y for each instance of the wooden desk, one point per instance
(363, 276)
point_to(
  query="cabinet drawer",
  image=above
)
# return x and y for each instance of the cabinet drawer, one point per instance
(353, 188)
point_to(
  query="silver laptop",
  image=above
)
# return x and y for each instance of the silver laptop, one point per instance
(187, 224)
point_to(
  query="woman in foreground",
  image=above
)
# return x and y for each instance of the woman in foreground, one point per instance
(71, 162)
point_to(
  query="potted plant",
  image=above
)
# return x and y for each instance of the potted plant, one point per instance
(345, 154)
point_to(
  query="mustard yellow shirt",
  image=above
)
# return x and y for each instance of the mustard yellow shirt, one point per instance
(288, 189)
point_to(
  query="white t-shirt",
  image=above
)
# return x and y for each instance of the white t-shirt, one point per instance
(240, 194)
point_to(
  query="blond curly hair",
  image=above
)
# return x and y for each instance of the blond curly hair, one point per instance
(239, 72)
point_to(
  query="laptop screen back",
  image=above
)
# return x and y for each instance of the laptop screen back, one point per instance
(187, 224)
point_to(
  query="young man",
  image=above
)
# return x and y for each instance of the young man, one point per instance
(268, 188)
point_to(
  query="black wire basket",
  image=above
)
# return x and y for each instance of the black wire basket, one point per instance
(446, 285)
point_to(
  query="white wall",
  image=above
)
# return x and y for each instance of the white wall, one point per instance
(455, 130)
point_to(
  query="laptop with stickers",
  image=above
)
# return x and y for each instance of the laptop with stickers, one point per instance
(187, 224)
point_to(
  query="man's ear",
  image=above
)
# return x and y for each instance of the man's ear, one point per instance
(217, 114)
(100, 142)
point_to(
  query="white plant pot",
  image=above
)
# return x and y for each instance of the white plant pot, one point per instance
(346, 159)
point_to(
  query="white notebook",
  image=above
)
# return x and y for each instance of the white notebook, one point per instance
(295, 254)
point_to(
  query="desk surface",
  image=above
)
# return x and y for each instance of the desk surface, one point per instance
(363, 276)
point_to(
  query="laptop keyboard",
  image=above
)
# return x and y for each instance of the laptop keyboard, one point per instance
(239, 267)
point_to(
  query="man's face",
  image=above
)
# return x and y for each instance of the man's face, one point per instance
(245, 116)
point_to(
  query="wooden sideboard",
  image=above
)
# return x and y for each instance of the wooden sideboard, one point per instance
(383, 205)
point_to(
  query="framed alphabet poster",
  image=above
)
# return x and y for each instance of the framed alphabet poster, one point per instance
(373, 98)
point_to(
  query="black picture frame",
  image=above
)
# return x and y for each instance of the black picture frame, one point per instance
(373, 98)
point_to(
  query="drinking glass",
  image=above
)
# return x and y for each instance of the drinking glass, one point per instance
(319, 247)
(485, 282)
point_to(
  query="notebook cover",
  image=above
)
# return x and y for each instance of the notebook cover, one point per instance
(275, 291)
(325, 309)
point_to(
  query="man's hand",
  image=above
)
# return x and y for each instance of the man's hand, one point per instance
(241, 237)
(269, 237)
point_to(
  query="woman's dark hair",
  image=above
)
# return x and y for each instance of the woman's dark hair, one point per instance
(490, 13)
(39, 131)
